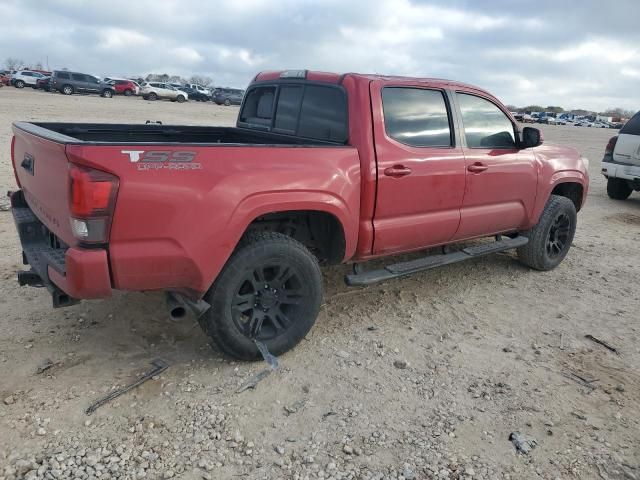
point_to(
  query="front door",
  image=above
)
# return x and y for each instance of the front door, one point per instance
(420, 169)
(501, 178)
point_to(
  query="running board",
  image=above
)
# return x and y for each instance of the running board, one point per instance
(432, 261)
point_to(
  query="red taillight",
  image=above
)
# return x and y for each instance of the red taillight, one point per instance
(92, 196)
(611, 145)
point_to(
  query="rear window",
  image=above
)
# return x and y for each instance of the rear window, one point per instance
(78, 77)
(311, 111)
(632, 127)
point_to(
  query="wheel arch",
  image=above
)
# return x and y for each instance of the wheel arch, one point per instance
(572, 184)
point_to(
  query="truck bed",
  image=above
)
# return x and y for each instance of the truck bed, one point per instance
(131, 134)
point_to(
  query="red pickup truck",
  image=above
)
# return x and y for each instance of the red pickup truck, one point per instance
(320, 168)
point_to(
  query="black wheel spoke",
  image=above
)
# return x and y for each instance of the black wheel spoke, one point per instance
(292, 297)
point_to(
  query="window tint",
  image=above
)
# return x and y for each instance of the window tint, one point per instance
(632, 127)
(485, 125)
(78, 77)
(288, 108)
(258, 109)
(305, 110)
(27, 74)
(63, 75)
(324, 114)
(416, 117)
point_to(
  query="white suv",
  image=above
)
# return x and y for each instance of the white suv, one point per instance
(25, 77)
(156, 90)
(621, 162)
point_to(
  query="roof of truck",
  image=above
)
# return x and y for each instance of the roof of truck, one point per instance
(337, 78)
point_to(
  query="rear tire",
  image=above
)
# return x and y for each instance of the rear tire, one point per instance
(550, 239)
(67, 90)
(227, 102)
(271, 285)
(618, 188)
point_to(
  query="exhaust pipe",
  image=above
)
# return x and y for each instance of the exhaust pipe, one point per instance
(177, 305)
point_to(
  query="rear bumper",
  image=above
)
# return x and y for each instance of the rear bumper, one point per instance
(69, 273)
(618, 170)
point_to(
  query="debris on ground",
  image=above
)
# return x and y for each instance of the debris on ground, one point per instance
(522, 444)
(46, 364)
(603, 343)
(584, 381)
(160, 366)
(271, 360)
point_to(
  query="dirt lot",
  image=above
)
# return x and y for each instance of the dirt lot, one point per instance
(424, 377)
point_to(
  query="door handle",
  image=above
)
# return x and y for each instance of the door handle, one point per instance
(477, 167)
(397, 171)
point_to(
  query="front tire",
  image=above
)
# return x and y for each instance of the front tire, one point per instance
(550, 239)
(181, 99)
(618, 189)
(19, 84)
(128, 92)
(271, 290)
(106, 93)
(152, 96)
(227, 102)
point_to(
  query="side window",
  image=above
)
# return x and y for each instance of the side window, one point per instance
(258, 109)
(485, 125)
(63, 75)
(416, 116)
(632, 127)
(324, 114)
(288, 108)
(78, 77)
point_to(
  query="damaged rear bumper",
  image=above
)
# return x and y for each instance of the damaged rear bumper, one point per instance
(68, 273)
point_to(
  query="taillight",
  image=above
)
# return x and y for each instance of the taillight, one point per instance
(611, 145)
(92, 198)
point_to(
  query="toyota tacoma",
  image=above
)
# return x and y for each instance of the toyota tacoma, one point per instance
(321, 168)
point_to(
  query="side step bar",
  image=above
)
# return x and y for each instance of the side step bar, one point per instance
(432, 261)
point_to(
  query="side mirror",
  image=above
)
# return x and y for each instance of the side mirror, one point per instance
(531, 137)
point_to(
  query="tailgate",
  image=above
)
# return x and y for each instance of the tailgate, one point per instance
(627, 149)
(41, 167)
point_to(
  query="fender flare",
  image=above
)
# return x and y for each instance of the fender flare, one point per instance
(562, 176)
(259, 204)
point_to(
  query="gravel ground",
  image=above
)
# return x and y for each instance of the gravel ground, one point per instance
(419, 378)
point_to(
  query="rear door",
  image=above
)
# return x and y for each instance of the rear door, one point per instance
(79, 81)
(501, 178)
(93, 84)
(627, 149)
(420, 167)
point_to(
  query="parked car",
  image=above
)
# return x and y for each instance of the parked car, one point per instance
(43, 84)
(228, 96)
(69, 83)
(621, 162)
(24, 78)
(124, 87)
(5, 77)
(199, 88)
(233, 223)
(195, 94)
(156, 90)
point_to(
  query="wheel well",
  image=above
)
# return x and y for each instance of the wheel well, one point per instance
(320, 232)
(573, 191)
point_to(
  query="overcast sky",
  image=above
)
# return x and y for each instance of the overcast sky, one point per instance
(550, 52)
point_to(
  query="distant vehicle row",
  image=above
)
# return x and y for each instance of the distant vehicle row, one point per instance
(565, 119)
(67, 82)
